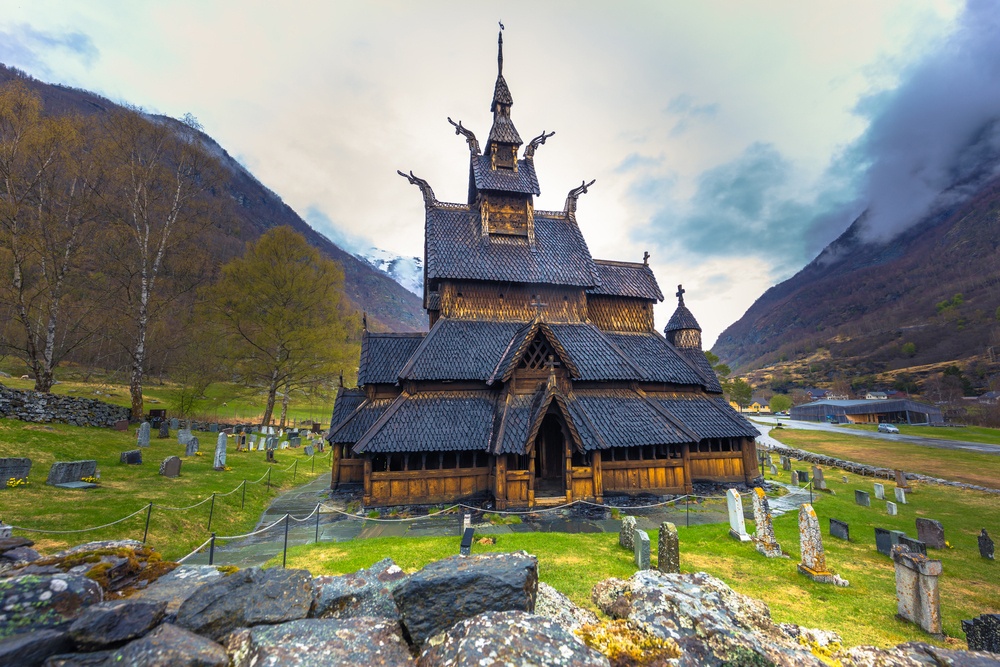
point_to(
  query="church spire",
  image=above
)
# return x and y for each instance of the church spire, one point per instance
(504, 139)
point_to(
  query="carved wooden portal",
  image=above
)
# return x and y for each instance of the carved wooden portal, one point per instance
(550, 457)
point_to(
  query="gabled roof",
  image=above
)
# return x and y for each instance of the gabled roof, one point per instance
(503, 130)
(515, 411)
(516, 349)
(682, 319)
(383, 356)
(457, 249)
(460, 350)
(632, 279)
(696, 357)
(707, 417)
(359, 421)
(593, 353)
(660, 361)
(621, 418)
(344, 405)
(523, 181)
(433, 421)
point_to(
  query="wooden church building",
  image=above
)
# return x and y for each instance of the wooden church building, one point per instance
(542, 378)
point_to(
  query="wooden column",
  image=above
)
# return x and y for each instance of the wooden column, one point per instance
(686, 455)
(368, 479)
(598, 477)
(568, 468)
(500, 493)
(531, 481)
(749, 448)
(335, 471)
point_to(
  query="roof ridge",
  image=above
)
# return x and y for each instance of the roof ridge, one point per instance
(618, 262)
(408, 367)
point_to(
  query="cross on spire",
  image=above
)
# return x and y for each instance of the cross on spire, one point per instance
(680, 295)
(645, 258)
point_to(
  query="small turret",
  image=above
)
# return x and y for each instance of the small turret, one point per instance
(683, 330)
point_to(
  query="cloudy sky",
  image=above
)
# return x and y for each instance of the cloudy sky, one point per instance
(732, 140)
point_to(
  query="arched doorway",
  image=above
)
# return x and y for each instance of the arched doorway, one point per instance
(550, 457)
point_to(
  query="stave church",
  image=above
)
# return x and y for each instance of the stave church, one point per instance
(542, 378)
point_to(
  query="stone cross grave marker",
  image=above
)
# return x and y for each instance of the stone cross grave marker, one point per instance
(985, 545)
(737, 524)
(763, 538)
(668, 557)
(191, 446)
(171, 467)
(143, 435)
(879, 491)
(819, 482)
(931, 533)
(133, 457)
(862, 498)
(918, 598)
(67, 472)
(983, 633)
(901, 480)
(912, 545)
(840, 529)
(220, 452)
(164, 431)
(900, 495)
(626, 534)
(890, 508)
(14, 468)
(641, 549)
(813, 563)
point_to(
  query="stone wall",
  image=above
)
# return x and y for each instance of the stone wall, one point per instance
(33, 406)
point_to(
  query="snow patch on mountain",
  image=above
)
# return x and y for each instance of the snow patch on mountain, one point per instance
(407, 271)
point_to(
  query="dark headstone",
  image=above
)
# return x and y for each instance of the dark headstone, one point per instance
(465, 548)
(803, 477)
(841, 529)
(931, 533)
(914, 546)
(214, 428)
(113, 623)
(362, 593)
(451, 590)
(191, 447)
(133, 457)
(164, 431)
(308, 450)
(901, 480)
(985, 545)
(63, 472)
(862, 498)
(883, 541)
(121, 425)
(171, 467)
(248, 597)
(14, 468)
(983, 633)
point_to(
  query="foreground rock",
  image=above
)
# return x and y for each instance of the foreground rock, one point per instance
(363, 593)
(364, 640)
(177, 586)
(555, 606)
(496, 639)
(113, 623)
(31, 648)
(36, 602)
(454, 589)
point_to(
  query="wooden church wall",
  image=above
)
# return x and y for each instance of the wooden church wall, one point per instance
(485, 301)
(615, 313)
(665, 475)
(347, 469)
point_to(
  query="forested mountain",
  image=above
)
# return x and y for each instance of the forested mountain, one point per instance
(927, 296)
(245, 209)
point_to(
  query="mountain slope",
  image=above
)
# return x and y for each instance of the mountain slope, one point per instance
(251, 209)
(864, 301)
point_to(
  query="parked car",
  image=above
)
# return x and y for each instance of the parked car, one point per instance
(887, 428)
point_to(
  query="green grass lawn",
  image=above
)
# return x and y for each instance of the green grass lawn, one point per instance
(863, 613)
(980, 434)
(125, 489)
(956, 465)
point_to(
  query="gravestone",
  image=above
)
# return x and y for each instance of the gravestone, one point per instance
(763, 537)
(737, 524)
(900, 495)
(270, 456)
(214, 428)
(626, 534)
(843, 478)
(803, 477)
(14, 468)
(786, 463)
(164, 431)
(308, 450)
(774, 470)
(191, 447)
(879, 491)
(813, 563)
(795, 477)
(227, 431)
(296, 441)
(890, 508)
(253, 441)
(143, 435)
(912, 545)
(121, 425)
(171, 467)
(175, 423)
(862, 498)
(840, 529)
(465, 548)
(641, 549)
(983, 633)
(883, 541)
(819, 482)
(668, 557)
(931, 533)
(65, 472)
(918, 599)
(220, 452)
(283, 445)
(985, 545)
(261, 445)
(901, 480)
(184, 436)
(133, 457)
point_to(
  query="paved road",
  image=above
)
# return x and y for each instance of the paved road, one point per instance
(978, 447)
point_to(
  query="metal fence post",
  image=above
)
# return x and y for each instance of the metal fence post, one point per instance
(313, 463)
(211, 512)
(149, 513)
(687, 511)
(243, 501)
(295, 469)
(211, 551)
(268, 479)
(317, 521)
(284, 551)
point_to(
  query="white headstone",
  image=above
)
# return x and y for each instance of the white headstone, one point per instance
(737, 524)
(900, 496)
(143, 436)
(880, 491)
(890, 507)
(220, 452)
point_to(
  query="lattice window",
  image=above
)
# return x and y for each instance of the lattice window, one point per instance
(536, 357)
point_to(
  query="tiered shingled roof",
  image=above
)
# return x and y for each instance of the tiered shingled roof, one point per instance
(523, 181)
(383, 355)
(629, 279)
(433, 421)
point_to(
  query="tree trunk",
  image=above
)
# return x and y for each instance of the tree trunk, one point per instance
(272, 391)
(284, 406)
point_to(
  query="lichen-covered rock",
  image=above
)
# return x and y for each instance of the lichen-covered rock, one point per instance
(364, 640)
(32, 648)
(112, 623)
(34, 602)
(555, 606)
(497, 639)
(20, 555)
(177, 586)
(170, 646)
(914, 654)
(451, 590)
(246, 598)
(363, 593)
(711, 623)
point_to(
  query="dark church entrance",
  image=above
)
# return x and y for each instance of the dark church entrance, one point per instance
(550, 458)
